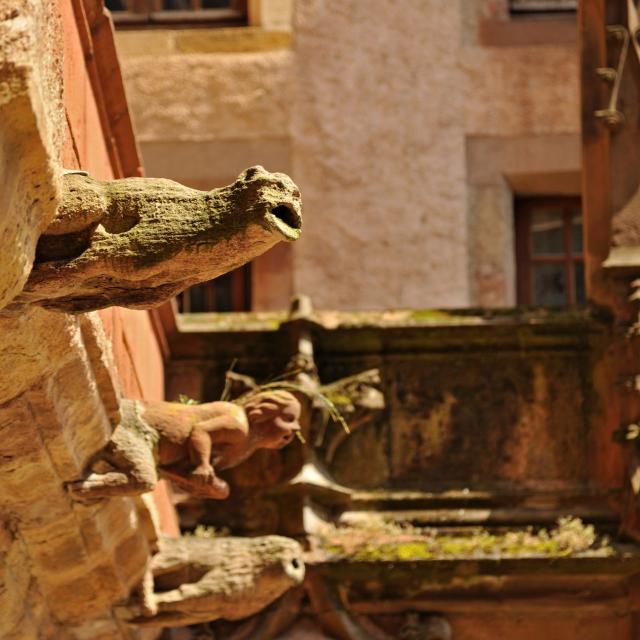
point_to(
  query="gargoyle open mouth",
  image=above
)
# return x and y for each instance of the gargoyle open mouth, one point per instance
(287, 220)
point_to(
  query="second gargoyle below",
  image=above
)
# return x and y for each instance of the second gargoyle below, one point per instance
(137, 242)
(187, 443)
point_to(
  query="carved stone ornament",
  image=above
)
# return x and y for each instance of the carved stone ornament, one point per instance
(137, 242)
(203, 579)
(187, 443)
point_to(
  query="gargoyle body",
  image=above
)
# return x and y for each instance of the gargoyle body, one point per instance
(186, 443)
(137, 242)
(203, 579)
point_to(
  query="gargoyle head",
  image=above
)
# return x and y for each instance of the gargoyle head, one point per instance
(273, 198)
(137, 242)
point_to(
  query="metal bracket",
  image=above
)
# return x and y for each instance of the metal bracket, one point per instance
(612, 116)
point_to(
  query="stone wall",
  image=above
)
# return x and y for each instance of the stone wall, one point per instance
(63, 566)
(32, 126)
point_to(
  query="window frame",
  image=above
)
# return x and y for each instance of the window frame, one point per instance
(525, 260)
(539, 8)
(150, 14)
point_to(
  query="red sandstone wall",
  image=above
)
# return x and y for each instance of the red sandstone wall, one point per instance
(135, 346)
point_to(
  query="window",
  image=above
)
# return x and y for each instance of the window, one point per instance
(550, 263)
(230, 292)
(537, 7)
(150, 13)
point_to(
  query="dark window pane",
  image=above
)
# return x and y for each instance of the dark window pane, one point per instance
(198, 299)
(576, 234)
(116, 5)
(541, 6)
(222, 289)
(216, 4)
(547, 232)
(177, 5)
(578, 271)
(229, 292)
(549, 286)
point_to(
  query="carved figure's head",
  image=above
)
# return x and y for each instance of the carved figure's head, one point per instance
(273, 198)
(273, 418)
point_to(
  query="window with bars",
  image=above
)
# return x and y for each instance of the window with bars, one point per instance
(549, 256)
(533, 7)
(230, 292)
(149, 13)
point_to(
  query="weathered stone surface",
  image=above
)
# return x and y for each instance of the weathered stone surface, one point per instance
(32, 119)
(248, 95)
(137, 242)
(200, 579)
(100, 352)
(66, 564)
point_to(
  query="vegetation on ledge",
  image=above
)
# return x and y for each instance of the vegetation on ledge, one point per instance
(379, 541)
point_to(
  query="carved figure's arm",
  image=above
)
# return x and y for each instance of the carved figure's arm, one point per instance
(224, 431)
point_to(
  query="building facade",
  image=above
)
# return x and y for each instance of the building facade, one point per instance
(425, 136)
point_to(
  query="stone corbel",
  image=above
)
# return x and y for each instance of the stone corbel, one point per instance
(137, 242)
(197, 580)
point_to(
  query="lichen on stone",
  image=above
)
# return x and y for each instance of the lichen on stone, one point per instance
(377, 540)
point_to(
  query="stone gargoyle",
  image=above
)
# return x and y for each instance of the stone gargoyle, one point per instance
(187, 443)
(137, 242)
(199, 580)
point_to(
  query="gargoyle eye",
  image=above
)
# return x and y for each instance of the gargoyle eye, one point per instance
(251, 172)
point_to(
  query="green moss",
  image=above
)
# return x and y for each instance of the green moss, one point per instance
(338, 398)
(434, 315)
(395, 543)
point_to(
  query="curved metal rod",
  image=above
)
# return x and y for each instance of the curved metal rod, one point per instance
(611, 115)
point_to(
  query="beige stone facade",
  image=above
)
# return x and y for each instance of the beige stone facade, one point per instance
(409, 129)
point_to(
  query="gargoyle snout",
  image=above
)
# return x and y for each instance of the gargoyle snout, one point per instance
(286, 218)
(294, 568)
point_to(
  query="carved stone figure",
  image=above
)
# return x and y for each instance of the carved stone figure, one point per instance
(186, 443)
(137, 242)
(203, 579)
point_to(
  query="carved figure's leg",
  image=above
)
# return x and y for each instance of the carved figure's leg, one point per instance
(216, 489)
